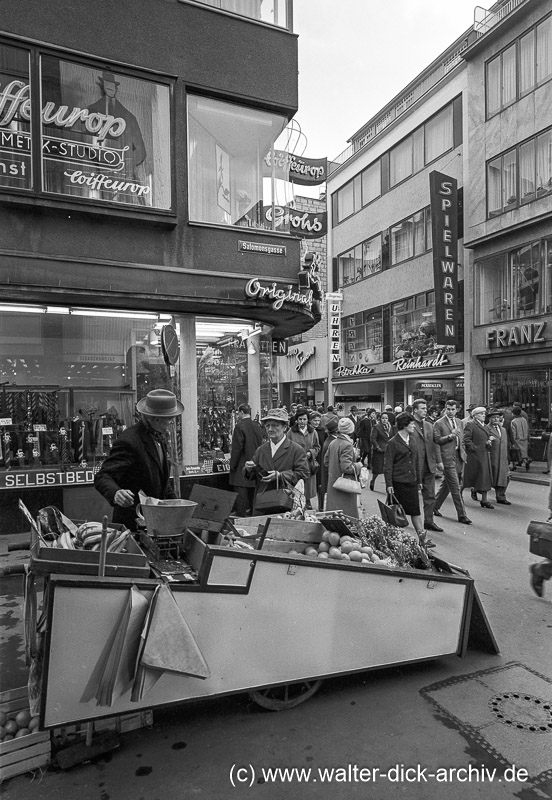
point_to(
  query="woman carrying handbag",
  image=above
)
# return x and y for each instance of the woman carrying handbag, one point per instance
(340, 460)
(403, 473)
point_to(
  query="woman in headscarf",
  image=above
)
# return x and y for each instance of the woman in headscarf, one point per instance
(340, 459)
(304, 434)
(381, 433)
(478, 441)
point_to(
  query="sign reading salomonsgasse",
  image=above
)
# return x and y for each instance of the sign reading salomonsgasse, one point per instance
(443, 192)
(105, 136)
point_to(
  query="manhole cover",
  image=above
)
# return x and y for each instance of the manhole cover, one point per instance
(522, 711)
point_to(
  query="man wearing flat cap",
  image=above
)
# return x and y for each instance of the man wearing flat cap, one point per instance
(139, 458)
(279, 462)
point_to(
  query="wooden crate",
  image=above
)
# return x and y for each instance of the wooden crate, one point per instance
(296, 530)
(27, 753)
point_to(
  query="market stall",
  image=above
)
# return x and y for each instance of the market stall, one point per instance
(268, 606)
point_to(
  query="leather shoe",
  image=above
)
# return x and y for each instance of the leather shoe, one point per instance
(536, 581)
(486, 505)
(437, 513)
(431, 526)
(473, 495)
(464, 520)
(503, 503)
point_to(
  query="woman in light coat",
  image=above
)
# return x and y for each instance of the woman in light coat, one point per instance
(519, 434)
(303, 433)
(340, 459)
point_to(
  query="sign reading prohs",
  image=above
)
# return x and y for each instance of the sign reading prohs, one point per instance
(443, 192)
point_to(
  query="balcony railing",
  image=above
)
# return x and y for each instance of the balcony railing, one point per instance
(484, 20)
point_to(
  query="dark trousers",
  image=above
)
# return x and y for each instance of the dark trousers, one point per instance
(428, 495)
(451, 482)
(244, 500)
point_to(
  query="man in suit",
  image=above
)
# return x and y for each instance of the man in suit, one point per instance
(448, 435)
(355, 419)
(139, 460)
(247, 436)
(428, 452)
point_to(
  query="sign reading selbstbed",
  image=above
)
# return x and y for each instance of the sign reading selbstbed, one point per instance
(443, 191)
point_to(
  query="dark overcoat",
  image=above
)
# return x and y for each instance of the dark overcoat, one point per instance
(379, 438)
(477, 472)
(247, 436)
(290, 460)
(134, 463)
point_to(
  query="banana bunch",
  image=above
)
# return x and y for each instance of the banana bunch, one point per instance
(88, 536)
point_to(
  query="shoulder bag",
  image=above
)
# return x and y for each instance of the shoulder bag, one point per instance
(392, 512)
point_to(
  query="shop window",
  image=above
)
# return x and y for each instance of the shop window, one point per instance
(527, 281)
(363, 338)
(532, 388)
(15, 119)
(492, 290)
(413, 327)
(227, 147)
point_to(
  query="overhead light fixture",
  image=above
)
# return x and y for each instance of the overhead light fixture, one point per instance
(22, 309)
(114, 313)
(153, 338)
(251, 349)
(57, 310)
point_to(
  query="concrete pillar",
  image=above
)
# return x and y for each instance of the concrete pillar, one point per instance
(254, 375)
(188, 388)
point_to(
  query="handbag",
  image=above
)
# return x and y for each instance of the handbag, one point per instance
(274, 501)
(392, 512)
(364, 477)
(540, 542)
(348, 485)
(313, 466)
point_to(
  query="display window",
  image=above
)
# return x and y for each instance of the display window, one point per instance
(515, 284)
(227, 145)
(413, 328)
(70, 379)
(363, 338)
(530, 387)
(104, 135)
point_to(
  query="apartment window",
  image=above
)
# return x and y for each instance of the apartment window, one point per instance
(532, 161)
(424, 145)
(227, 144)
(345, 201)
(360, 261)
(413, 327)
(515, 284)
(371, 183)
(520, 68)
(363, 338)
(273, 12)
(358, 192)
(411, 237)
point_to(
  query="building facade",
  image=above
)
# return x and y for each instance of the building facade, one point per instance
(508, 210)
(136, 253)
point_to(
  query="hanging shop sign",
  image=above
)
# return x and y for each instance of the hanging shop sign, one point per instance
(301, 356)
(429, 385)
(31, 480)
(349, 372)
(170, 345)
(286, 166)
(254, 288)
(402, 364)
(261, 247)
(103, 136)
(334, 314)
(278, 347)
(532, 333)
(306, 224)
(443, 192)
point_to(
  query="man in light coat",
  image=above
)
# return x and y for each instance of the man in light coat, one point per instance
(428, 452)
(448, 435)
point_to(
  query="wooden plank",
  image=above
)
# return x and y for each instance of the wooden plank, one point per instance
(25, 753)
(28, 752)
(25, 766)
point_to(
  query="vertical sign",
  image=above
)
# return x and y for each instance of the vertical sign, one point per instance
(443, 192)
(335, 331)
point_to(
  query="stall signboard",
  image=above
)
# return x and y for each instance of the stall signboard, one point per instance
(530, 333)
(443, 192)
(306, 224)
(351, 372)
(45, 478)
(286, 166)
(104, 135)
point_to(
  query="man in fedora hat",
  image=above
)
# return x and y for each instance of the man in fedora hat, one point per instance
(139, 459)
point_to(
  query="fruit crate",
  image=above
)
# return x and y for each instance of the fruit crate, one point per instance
(296, 530)
(123, 723)
(27, 753)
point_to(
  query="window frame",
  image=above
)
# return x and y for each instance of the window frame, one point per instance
(426, 211)
(356, 254)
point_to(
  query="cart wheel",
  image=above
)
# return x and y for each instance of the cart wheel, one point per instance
(281, 698)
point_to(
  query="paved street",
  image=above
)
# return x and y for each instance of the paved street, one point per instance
(429, 717)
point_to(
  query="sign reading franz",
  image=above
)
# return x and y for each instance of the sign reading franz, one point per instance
(306, 224)
(98, 137)
(443, 192)
(254, 288)
(296, 169)
(530, 333)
